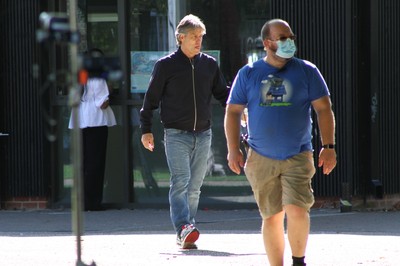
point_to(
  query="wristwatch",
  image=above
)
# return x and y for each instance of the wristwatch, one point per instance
(328, 146)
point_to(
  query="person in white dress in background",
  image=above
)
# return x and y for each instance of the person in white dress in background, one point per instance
(95, 116)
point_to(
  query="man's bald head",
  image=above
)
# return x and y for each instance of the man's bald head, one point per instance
(266, 29)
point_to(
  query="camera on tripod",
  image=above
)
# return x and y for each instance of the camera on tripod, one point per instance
(55, 28)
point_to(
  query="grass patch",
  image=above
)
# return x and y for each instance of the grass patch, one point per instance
(162, 176)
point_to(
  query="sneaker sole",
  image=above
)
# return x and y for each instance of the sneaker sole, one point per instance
(188, 243)
(190, 246)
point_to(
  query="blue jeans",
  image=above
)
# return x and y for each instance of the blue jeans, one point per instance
(187, 155)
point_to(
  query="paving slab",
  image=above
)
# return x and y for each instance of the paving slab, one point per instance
(228, 237)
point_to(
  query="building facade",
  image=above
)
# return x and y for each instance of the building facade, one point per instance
(353, 43)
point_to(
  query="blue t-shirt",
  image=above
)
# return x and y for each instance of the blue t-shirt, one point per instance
(279, 105)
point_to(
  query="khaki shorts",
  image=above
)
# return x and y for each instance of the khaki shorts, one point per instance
(276, 183)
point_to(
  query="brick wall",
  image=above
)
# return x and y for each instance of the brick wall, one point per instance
(25, 203)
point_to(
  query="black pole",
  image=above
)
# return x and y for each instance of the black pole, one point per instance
(363, 87)
(76, 155)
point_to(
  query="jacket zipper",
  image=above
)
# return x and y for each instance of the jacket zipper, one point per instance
(194, 96)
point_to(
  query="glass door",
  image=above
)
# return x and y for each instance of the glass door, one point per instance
(232, 39)
(101, 25)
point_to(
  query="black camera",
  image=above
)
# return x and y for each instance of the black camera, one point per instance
(105, 67)
(55, 27)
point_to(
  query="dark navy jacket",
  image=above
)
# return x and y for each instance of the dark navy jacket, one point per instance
(183, 89)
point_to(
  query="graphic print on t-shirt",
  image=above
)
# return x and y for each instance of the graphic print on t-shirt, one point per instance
(275, 91)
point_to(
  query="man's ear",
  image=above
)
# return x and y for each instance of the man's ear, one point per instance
(266, 44)
(180, 37)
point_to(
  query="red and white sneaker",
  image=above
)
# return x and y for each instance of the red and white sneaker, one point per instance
(188, 236)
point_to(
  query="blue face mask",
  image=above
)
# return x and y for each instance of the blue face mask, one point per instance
(286, 49)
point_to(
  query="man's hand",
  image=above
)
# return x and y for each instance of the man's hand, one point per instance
(148, 141)
(327, 160)
(235, 160)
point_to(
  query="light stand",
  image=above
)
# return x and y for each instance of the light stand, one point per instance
(60, 28)
(74, 100)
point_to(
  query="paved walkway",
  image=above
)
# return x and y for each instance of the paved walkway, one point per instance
(144, 237)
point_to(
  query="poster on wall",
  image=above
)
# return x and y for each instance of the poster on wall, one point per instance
(142, 63)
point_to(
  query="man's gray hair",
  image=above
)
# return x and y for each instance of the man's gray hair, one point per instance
(188, 23)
